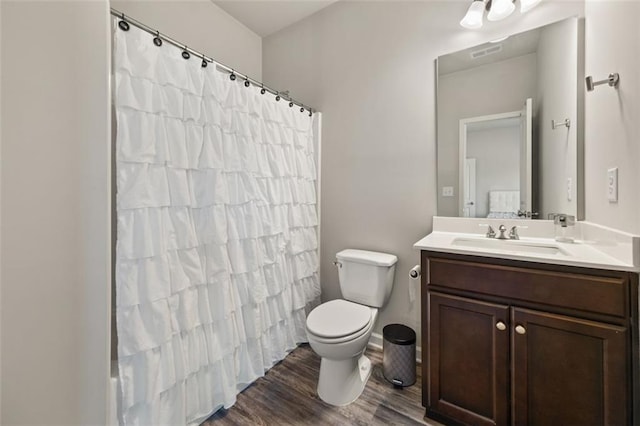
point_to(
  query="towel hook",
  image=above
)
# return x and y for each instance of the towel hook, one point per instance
(555, 124)
(613, 80)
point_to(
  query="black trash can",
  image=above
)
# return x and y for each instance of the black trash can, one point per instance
(399, 354)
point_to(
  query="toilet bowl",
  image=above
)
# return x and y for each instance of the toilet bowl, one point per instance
(338, 331)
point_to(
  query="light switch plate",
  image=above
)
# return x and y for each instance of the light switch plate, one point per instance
(447, 191)
(612, 185)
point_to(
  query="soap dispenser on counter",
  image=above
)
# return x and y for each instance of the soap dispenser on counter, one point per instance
(565, 227)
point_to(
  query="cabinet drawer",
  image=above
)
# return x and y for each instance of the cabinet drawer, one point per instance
(605, 295)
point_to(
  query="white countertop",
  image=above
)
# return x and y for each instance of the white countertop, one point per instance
(595, 246)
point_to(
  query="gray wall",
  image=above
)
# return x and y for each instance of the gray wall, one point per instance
(55, 266)
(55, 269)
(369, 66)
(556, 100)
(497, 154)
(612, 125)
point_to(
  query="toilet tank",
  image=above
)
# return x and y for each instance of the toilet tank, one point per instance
(366, 277)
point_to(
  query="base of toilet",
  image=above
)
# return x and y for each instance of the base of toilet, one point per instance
(341, 382)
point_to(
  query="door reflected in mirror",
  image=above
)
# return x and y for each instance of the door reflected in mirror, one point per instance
(495, 168)
(498, 153)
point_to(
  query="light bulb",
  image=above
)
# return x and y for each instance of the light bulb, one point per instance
(527, 5)
(500, 9)
(473, 19)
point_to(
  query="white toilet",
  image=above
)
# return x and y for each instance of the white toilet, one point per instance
(339, 330)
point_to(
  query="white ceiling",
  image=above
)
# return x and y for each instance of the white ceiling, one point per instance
(265, 17)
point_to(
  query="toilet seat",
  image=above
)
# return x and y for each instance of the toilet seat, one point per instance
(338, 319)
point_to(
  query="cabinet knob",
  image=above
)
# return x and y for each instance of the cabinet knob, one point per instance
(520, 329)
(501, 326)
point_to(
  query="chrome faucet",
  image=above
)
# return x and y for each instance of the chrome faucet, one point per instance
(513, 233)
(490, 232)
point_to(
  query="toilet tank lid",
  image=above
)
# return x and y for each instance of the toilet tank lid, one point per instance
(369, 257)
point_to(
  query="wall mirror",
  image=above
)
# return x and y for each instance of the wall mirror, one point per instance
(510, 126)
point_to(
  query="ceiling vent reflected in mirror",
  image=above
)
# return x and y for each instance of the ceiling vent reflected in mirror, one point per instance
(481, 53)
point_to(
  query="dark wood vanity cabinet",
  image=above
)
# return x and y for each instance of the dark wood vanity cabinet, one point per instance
(507, 342)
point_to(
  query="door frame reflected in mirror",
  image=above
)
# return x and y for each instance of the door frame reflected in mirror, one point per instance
(523, 206)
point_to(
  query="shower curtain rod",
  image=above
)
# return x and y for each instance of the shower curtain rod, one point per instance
(225, 68)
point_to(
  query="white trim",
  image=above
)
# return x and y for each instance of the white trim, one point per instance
(317, 135)
(527, 127)
(375, 342)
(1, 166)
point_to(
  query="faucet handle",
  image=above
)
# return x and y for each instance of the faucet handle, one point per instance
(528, 214)
(513, 233)
(491, 233)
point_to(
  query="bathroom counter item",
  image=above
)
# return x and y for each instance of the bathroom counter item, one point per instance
(399, 354)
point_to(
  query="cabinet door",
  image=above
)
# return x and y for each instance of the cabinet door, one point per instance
(568, 371)
(468, 362)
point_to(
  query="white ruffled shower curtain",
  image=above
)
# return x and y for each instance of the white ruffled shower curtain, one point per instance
(216, 232)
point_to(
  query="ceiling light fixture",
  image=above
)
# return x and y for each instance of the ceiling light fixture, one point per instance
(473, 19)
(497, 10)
(500, 9)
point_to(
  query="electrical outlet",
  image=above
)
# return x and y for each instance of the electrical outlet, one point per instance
(569, 189)
(612, 185)
(447, 191)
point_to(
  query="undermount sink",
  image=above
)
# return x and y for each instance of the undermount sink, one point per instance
(510, 245)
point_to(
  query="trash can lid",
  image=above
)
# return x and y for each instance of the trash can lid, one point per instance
(399, 334)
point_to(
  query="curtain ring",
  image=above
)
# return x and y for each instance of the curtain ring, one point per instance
(310, 112)
(185, 53)
(157, 40)
(263, 90)
(247, 83)
(277, 96)
(123, 24)
(232, 76)
(204, 62)
(290, 104)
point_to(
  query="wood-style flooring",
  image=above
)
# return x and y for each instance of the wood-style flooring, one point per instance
(286, 395)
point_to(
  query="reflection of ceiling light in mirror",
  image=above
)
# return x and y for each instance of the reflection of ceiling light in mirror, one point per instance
(527, 5)
(500, 9)
(473, 19)
(498, 40)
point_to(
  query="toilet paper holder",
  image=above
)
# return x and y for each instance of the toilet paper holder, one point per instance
(415, 272)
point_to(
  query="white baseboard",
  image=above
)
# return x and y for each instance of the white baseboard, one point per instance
(375, 342)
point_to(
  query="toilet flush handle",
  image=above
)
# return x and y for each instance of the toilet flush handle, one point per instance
(337, 263)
